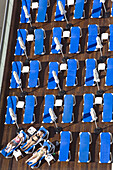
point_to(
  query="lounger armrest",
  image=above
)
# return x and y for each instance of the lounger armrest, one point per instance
(71, 137)
(74, 100)
(85, 1)
(90, 138)
(78, 66)
(40, 66)
(69, 156)
(46, 18)
(72, 117)
(89, 158)
(111, 139)
(110, 157)
(83, 14)
(48, 3)
(76, 81)
(35, 101)
(79, 48)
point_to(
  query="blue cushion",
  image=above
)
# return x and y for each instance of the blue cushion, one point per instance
(39, 41)
(41, 16)
(109, 73)
(96, 11)
(79, 7)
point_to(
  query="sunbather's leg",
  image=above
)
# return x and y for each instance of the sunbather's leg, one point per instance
(32, 157)
(30, 144)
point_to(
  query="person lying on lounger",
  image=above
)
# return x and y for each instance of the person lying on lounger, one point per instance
(33, 139)
(37, 155)
(15, 142)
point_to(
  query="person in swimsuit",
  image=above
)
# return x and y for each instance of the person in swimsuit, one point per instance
(15, 142)
(37, 155)
(33, 139)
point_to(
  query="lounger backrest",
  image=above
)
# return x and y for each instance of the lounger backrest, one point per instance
(111, 38)
(88, 104)
(29, 109)
(68, 108)
(107, 107)
(79, 6)
(96, 11)
(33, 75)
(23, 18)
(58, 16)
(84, 147)
(41, 16)
(39, 41)
(53, 66)
(16, 66)
(11, 103)
(105, 147)
(64, 146)
(49, 103)
(109, 73)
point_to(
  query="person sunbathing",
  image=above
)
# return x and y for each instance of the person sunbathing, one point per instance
(37, 155)
(15, 142)
(33, 139)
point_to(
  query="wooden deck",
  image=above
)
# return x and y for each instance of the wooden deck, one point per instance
(7, 132)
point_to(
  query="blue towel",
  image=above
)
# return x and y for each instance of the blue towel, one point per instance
(57, 32)
(26, 3)
(84, 147)
(96, 11)
(79, 7)
(49, 103)
(58, 16)
(75, 37)
(41, 16)
(68, 108)
(20, 33)
(39, 41)
(109, 73)
(105, 147)
(16, 66)
(71, 72)
(33, 75)
(53, 66)
(88, 104)
(64, 146)
(11, 103)
(90, 66)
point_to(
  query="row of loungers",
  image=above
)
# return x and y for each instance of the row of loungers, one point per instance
(67, 115)
(74, 47)
(42, 5)
(71, 80)
(84, 155)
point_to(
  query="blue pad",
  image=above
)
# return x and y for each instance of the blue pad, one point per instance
(71, 72)
(20, 33)
(107, 107)
(88, 104)
(57, 32)
(58, 16)
(49, 103)
(75, 37)
(93, 32)
(11, 103)
(33, 75)
(53, 66)
(90, 66)
(105, 147)
(41, 16)
(79, 7)
(16, 66)
(68, 108)
(111, 38)
(109, 74)
(29, 109)
(39, 42)
(26, 3)
(64, 146)
(84, 147)
(96, 11)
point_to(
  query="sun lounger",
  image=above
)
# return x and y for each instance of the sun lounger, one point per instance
(73, 66)
(88, 104)
(53, 66)
(74, 42)
(35, 67)
(97, 8)
(11, 103)
(41, 15)
(64, 153)
(58, 15)
(90, 66)
(49, 103)
(85, 141)
(105, 141)
(20, 33)
(30, 102)
(111, 38)
(23, 18)
(79, 9)
(107, 107)
(39, 48)
(109, 73)
(57, 32)
(16, 66)
(10, 154)
(69, 102)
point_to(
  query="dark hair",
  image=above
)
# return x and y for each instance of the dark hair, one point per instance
(42, 131)
(46, 147)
